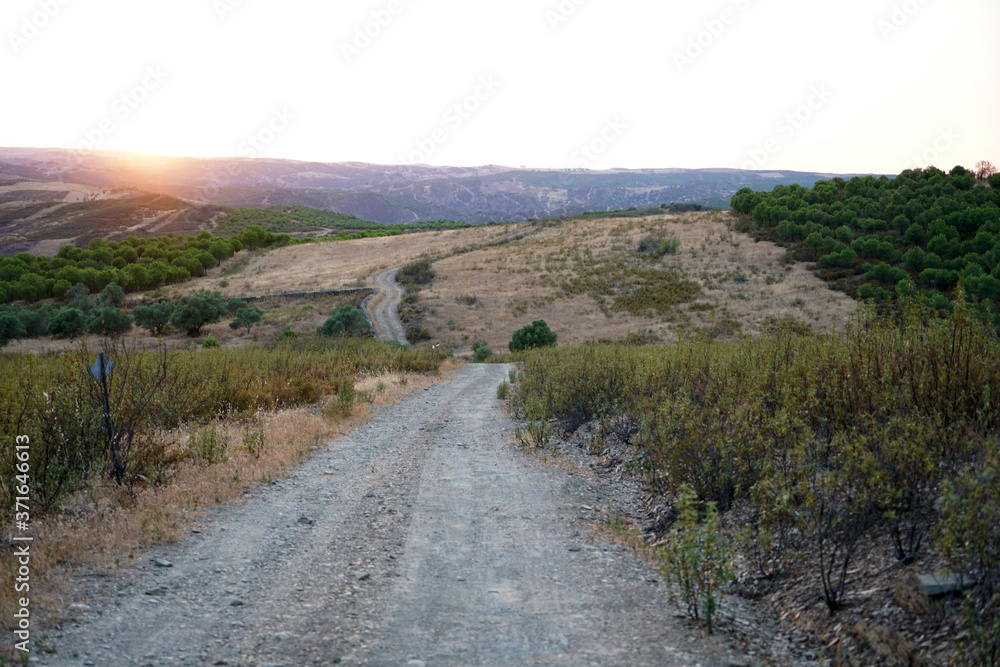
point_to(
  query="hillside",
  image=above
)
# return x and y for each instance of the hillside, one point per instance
(391, 194)
(881, 238)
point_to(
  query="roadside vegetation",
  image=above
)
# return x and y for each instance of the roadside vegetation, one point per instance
(883, 436)
(415, 277)
(183, 430)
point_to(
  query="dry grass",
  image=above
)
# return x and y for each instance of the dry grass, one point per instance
(105, 527)
(514, 284)
(335, 265)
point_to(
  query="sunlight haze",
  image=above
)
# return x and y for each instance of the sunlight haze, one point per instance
(857, 86)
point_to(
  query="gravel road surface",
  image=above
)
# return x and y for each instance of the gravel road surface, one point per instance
(425, 537)
(385, 312)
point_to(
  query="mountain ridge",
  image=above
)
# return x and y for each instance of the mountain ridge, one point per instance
(394, 194)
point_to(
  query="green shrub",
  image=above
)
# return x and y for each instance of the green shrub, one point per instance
(658, 246)
(210, 342)
(209, 443)
(695, 560)
(503, 390)
(345, 321)
(970, 514)
(194, 311)
(234, 305)
(417, 333)
(480, 352)
(247, 318)
(535, 335)
(10, 328)
(68, 323)
(155, 317)
(108, 321)
(418, 273)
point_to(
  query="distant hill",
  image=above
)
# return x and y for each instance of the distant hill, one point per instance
(391, 194)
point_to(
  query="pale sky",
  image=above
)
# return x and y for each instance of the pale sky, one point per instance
(846, 86)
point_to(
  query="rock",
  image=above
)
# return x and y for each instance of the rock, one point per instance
(236, 603)
(365, 577)
(79, 606)
(157, 592)
(160, 562)
(918, 593)
(306, 521)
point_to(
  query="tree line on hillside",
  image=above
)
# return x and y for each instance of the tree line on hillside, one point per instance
(134, 264)
(302, 218)
(104, 314)
(880, 238)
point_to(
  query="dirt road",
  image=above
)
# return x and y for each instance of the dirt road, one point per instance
(385, 307)
(423, 538)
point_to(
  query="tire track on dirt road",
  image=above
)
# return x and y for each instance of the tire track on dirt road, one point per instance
(424, 537)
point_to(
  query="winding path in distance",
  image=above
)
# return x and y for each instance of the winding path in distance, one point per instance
(385, 307)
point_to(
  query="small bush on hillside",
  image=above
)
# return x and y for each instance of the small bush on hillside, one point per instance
(345, 321)
(210, 342)
(658, 247)
(535, 335)
(416, 273)
(417, 334)
(481, 352)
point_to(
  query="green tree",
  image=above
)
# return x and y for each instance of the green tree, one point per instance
(154, 317)
(247, 317)
(108, 321)
(194, 311)
(536, 334)
(10, 328)
(112, 296)
(235, 305)
(78, 296)
(68, 323)
(347, 321)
